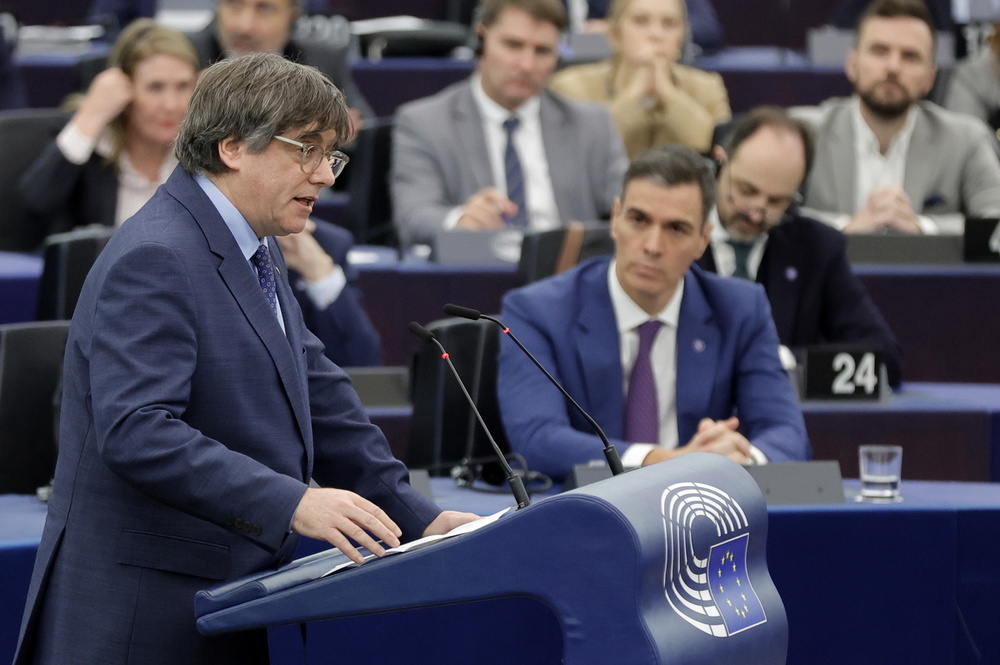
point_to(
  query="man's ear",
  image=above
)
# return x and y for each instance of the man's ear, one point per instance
(231, 152)
(851, 65)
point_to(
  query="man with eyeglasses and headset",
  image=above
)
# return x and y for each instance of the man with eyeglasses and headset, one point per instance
(197, 406)
(759, 234)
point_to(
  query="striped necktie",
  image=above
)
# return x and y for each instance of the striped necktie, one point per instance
(514, 176)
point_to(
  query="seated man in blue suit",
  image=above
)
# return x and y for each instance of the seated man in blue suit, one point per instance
(667, 358)
(197, 406)
(758, 234)
(325, 285)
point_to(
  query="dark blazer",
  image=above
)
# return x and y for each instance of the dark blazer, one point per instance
(344, 328)
(191, 425)
(331, 59)
(815, 296)
(727, 363)
(62, 195)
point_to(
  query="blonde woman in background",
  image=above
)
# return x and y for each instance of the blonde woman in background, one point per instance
(652, 97)
(118, 146)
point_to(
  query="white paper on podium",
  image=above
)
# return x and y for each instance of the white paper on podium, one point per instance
(420, 543)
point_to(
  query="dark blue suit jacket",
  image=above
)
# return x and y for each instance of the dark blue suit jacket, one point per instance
(191, 425)
(815, 296)
(727, 363)
(344, 328)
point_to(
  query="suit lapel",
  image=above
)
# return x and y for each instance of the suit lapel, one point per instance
(238, 277)
(596, 349)
(840, 150)
(921, 153)
(698, 346)
(560, 150)
(468, 126)
(779, 273)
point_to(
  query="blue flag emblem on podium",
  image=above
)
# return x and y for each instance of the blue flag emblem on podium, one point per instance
(730, 585)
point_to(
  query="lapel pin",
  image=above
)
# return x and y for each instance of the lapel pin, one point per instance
(791, 274)
(699, 346)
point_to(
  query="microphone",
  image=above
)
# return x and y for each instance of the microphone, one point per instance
(610, 452)
(514, 480)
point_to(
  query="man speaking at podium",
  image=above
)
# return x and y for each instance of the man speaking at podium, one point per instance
(197, 406)
(666, 358)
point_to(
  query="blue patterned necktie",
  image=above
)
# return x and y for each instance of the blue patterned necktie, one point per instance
(515, 176)
(742, 251)
(642, 413)
(261, 260)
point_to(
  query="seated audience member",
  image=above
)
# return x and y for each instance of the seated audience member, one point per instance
(117, 150)
(974, 87)
(652, 97)
(706, 31)
(325, 286)
(668, 359)
(118, 146)
(887, 162)
(258, 26)
(498, 149)
(759, 234)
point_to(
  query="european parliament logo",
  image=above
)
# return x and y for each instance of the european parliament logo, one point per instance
(706, 580)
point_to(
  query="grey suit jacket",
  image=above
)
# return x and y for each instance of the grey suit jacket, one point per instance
(440, 159)
(951, 166)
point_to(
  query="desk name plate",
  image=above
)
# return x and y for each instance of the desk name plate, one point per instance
(982, 240)
(845, 373)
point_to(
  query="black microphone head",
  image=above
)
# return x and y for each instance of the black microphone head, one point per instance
(464, 312)
(421, 332)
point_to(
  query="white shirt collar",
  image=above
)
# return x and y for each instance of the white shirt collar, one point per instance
(494, 113)
(866, 141)
(244, 234)
(629, 316)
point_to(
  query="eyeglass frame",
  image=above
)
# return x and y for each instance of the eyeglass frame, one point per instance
(330, 155)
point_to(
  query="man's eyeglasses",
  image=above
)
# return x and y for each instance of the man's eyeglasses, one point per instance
(312, 155)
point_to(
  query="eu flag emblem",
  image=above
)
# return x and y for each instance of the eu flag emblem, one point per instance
(730, 585)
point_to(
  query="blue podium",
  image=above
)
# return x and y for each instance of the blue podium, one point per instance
(665, 564)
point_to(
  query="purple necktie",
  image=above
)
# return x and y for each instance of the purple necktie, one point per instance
(642, 413)
(261, 260)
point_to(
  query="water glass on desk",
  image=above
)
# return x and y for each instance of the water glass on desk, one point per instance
(879, 468)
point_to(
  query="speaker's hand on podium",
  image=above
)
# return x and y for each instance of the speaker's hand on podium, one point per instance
(336, 515)
(448, 520)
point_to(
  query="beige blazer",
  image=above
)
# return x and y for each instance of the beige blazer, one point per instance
(690, 117)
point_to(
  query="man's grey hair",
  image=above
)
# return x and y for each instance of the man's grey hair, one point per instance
(671, 165)
(253, 98)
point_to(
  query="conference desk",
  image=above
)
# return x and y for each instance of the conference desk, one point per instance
(940, 313)
(19, 276)
(949, 432)
(913, 582)
(753, 75)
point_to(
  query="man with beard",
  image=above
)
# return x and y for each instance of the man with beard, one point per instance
(886, 160)
(759, 234)
(498, 149)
